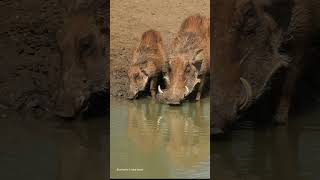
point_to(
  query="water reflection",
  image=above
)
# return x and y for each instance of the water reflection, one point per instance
(171, 141)
(51, 149)
(144, 126)
(275, 153)
(188, 141)
(83, 153)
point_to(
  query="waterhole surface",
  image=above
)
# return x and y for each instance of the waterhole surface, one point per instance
(270, 153)
(153, 140)
(38, 148)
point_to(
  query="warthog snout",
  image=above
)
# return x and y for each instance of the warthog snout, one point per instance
(68, 105)
(173, 97)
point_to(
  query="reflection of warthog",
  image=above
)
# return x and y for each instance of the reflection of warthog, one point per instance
(273, 154)
(82, 64)
(189, 63)
(250, 35)
(147, 63)
(82, 154)
(143, 125)
(188, 142)
(185, 135)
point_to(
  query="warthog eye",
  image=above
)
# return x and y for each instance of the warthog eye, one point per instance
(136, 76)
(197, 65)
(188, 68)
(168, 70)
(87, 46)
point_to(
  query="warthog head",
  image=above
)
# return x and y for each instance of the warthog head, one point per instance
(246, 57)
(188, 61)
(82, 65)
(138, 78)
(147, 63)
(181, 77)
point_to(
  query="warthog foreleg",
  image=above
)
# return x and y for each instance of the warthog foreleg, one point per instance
(199, 93)
(288, 90)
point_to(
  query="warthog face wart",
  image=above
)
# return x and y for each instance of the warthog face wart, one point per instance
(82, 65)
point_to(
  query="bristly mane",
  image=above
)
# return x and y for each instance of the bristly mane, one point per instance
(150, 40)
(191, 34)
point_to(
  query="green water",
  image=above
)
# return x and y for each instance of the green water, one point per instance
(153, 140)
(270, 153)
(38, 148)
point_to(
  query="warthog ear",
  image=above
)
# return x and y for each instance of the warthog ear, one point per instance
(279, 10)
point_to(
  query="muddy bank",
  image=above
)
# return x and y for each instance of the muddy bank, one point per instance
(29, 57)
(30, 60)
(129, 19)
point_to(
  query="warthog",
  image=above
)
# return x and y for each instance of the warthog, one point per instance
(147, 63)
(82, 64)
(250, 34)
(188, 67)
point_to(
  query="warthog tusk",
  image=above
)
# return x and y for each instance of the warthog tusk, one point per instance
(198, 81)
(158, 121)
(187, 90)
(159, 89)
(248, 94)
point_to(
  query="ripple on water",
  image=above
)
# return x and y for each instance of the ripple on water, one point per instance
(166, 141)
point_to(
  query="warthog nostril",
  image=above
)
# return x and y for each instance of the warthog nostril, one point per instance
(85, 81)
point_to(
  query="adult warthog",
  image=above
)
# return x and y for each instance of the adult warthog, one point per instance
(250, 34)
(188, 67)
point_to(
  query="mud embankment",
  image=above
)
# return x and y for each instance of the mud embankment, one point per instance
(29, 58)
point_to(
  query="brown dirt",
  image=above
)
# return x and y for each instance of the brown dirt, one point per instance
(129, 19)
(29, 58)
(29, 54)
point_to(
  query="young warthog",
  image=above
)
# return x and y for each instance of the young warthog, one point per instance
(147, 63)
(189, 63)
(82, 65)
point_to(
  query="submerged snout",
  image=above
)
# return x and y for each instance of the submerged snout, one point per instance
(218, 129)
(222, 121)
(68, 106)
(132, 95)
